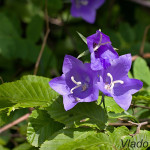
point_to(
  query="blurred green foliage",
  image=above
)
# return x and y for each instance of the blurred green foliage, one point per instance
(22, 29)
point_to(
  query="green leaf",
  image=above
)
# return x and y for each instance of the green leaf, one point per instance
(124, 114)
(65, 136)
(34, 28)
(30, 91)
(82, 37)
(130, 74)
(83, 114)
(127, 32)
(141, 70)
(5, 137)
(117, 135)
(90, 141)
(54, 6)
(112, 140)
(3, 148)
(6, 27)
(5, 119)
(25, 146)
(14, 47)
(83, 54)
(111, 105)
(41, 127)
(141, 97)
(142, 138)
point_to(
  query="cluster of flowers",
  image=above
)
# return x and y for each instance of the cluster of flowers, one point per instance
(86, 9)
(107, 72)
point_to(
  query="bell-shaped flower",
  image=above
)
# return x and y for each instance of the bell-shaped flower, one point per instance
(114, 81)
(101, 50)
(78, 83)
(86, 9)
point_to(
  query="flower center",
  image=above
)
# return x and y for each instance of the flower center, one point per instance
(110, 86)
(97, 46)
(78, 84)
(81, 2)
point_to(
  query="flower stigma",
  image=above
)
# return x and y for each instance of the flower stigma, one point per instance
(97, 46)
(110, 86)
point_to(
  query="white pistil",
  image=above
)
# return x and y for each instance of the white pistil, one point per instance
(75, 82)
(100, 44)
(112, 83)
(78, 84)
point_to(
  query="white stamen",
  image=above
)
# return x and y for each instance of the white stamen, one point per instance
(118, 81)
(111, 78)
(112, 83)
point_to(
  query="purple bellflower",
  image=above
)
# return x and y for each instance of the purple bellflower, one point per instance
(101, 50)
(114, 81)
(78, 83)
(86, 9)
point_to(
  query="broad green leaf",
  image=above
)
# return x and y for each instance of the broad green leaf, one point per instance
(124, 114)
(111, 105)
(92, 140)
(82, 37)
(33, 92)
(65, 136)
(111, 141)
(141, 70)
(34, 28)
(25, 146)
(83, 114)
(41, 127)
(140, 141)
(117, 135)
(118, 140)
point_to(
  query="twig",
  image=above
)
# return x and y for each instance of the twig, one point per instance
(144, 39)
(134, 57)
(44, 41)
(120, 124)
(1, 79)
(142, 2)
(146, 55)
(139, 126)
(140, 106)
(25, 117)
